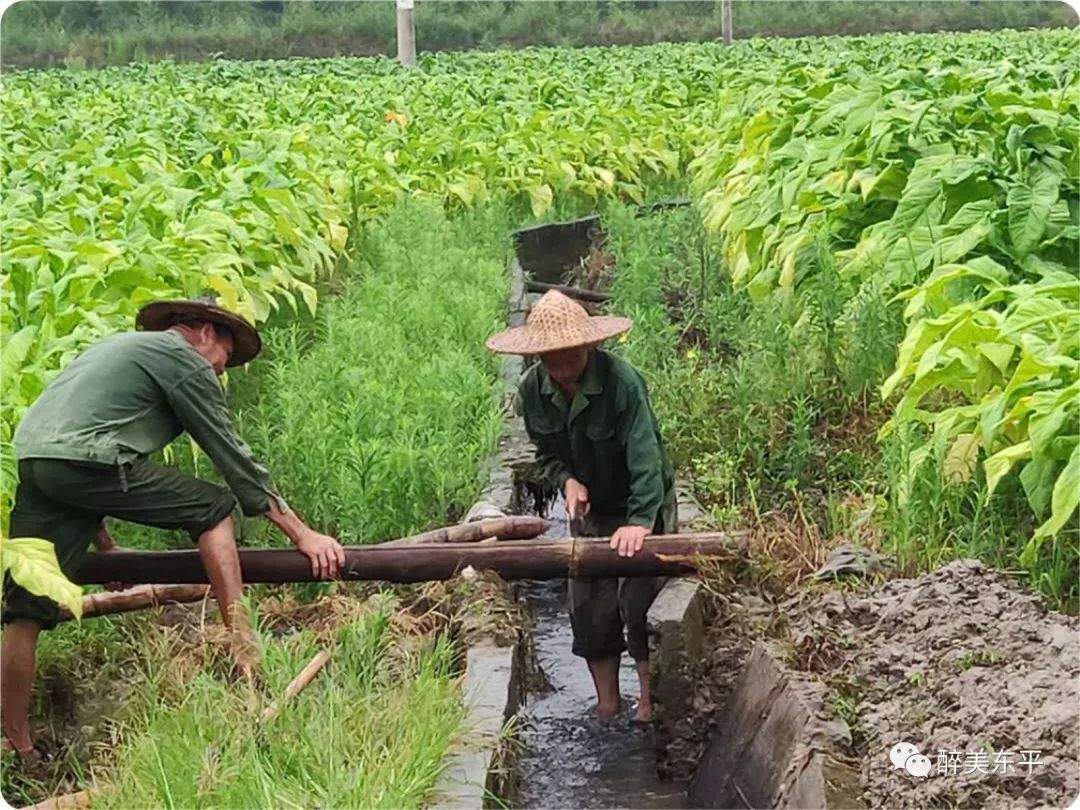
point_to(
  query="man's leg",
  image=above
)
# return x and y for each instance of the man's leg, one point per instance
(644, 706)
(605, 675)
(166, 498)
(635, 596)
(598, 637)
(25, 615)
(217, 550)
(18, 652)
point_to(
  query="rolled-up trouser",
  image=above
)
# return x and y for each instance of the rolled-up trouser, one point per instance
(65, 501)
(602, 608)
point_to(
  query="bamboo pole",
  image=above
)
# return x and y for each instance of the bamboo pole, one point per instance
(66, 801)
(512, 559)
(296, 685)
(593, 296)
(511, 527)
(140, 597)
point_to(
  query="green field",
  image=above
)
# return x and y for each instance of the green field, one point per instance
(864, 328)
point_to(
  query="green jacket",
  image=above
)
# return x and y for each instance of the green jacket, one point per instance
(131, 394)
(607, 438)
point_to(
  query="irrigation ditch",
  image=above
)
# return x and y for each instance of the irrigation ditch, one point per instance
(763, 696)
(533, 741)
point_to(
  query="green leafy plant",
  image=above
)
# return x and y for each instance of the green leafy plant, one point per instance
(32, 564)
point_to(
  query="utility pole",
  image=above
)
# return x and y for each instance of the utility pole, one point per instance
(725, 20)
(406, 34)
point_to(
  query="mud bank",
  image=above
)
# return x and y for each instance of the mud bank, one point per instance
(966, 665)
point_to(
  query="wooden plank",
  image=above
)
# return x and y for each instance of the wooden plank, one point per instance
(573, 292)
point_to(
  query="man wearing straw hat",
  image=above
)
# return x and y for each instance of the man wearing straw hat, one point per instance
(83, 447)
(598, 443)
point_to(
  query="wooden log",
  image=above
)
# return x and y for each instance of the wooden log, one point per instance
(512, 559)
(140, 597)
(67, 801)
(296, 685)
(572, 292)
(511, 527)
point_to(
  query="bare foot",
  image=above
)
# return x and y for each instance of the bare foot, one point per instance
(644, 712)
(246, 657)
(30, 757)
(606, 712)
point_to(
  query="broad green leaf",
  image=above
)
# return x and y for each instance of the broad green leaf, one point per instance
(32, 563)
(999, 464)
(540, 198)
(1037, 478)
(16, 348)
(1065, 499)
(960, 462)
(1029, 208)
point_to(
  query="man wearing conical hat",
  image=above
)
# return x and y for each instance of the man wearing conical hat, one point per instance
(83, 450)
(598, 443)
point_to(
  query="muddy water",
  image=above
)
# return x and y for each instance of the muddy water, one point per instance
(569, 758)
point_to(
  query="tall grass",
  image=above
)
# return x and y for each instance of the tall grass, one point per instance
(377, 426)
(370, 731)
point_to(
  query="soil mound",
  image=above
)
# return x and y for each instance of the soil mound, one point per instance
(967, 666)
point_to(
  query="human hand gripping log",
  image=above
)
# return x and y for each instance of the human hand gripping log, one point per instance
(627, 540)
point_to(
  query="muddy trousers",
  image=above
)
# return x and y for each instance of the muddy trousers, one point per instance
(609, 615)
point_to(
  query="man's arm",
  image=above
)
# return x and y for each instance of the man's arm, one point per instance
(199, 404)
(326, 554)
(645, 463)
(552, 470)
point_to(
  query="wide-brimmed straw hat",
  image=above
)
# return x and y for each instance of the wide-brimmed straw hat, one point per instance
(160, 315)
(557, 322)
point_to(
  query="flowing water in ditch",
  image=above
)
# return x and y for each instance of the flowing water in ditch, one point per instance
(569, 758)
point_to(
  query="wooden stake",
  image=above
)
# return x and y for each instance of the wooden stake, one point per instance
(662, 555)
(296, 685)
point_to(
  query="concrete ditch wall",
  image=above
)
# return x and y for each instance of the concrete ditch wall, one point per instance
(480, 766)
(479, 769)
(773, 745)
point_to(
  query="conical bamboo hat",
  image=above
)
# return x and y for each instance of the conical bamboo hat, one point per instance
(557, 322)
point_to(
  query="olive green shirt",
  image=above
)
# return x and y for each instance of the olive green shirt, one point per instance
(607, 438)
(131, 394)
